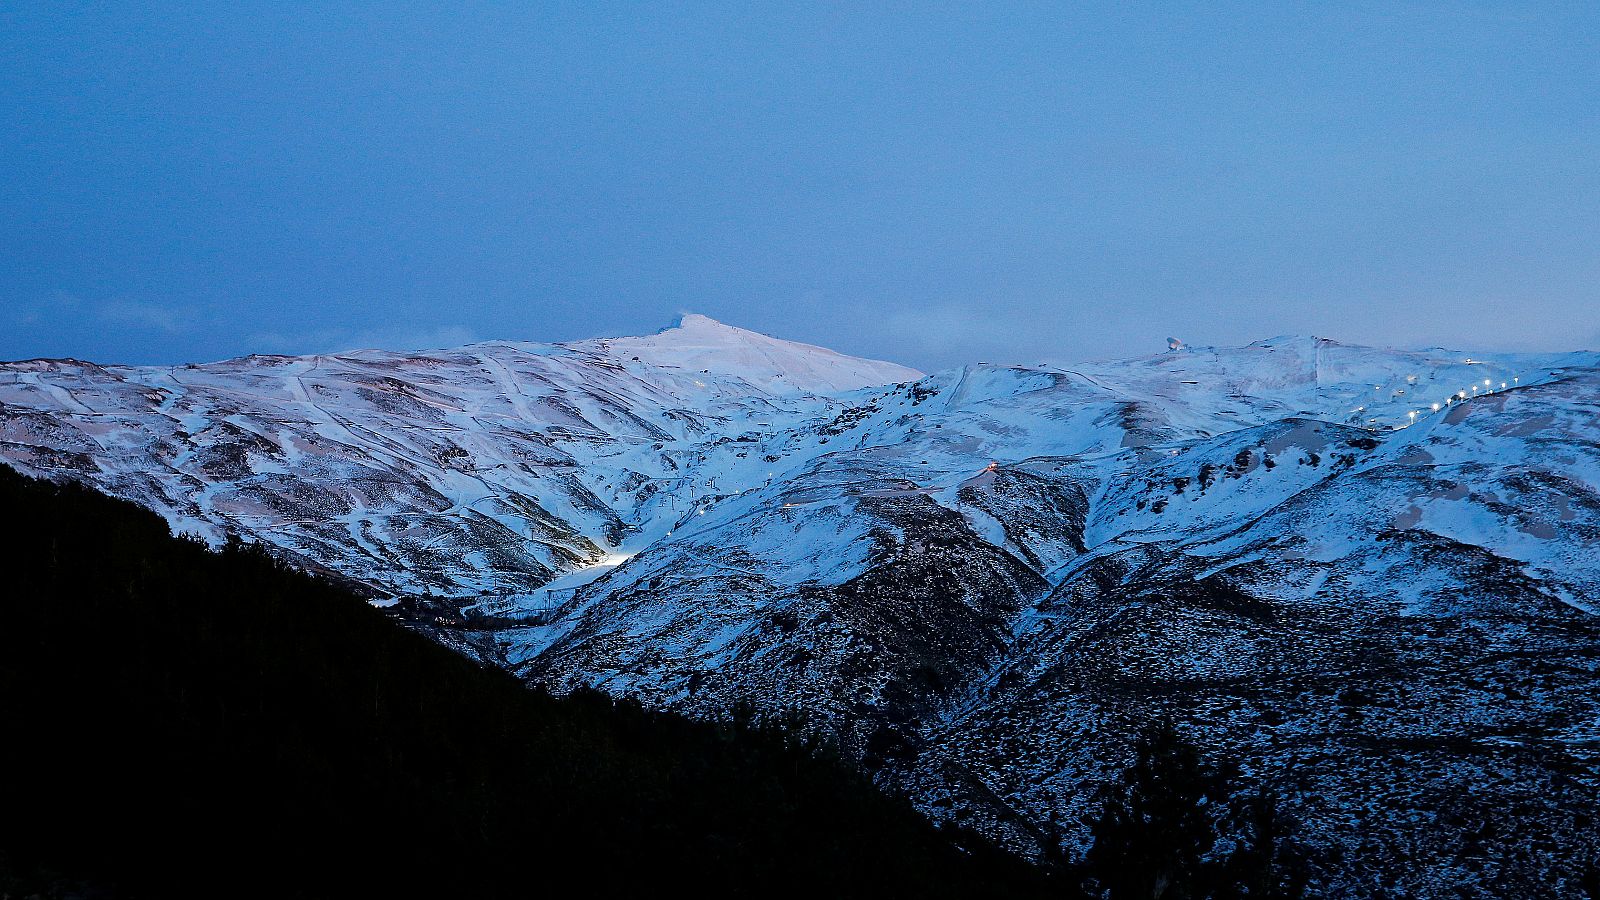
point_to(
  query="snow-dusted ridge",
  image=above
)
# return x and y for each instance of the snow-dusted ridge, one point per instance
(982, 579)
(493, 467)
(700, 344)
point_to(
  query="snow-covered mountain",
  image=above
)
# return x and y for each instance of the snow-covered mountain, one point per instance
(766, 365)
(490, 468)
(1368, 575)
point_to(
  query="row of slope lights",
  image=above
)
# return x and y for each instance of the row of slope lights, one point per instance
(1463, 395)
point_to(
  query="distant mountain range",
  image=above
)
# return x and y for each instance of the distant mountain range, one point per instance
(1369, 577)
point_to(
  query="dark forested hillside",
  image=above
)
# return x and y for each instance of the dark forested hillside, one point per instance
(181, 722)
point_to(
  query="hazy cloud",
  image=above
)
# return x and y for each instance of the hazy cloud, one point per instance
(953, 334)
(947, 328)
(43, 311)
(335, 340)
(168, 319)
(62, 310)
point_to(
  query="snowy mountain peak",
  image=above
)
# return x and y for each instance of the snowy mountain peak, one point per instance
(697, 322)
(700, 344)
(1368, 574)
(1297, 340)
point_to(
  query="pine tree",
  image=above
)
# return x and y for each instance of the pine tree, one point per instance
(1263, 866)
(1157, 833)
(1155, 829)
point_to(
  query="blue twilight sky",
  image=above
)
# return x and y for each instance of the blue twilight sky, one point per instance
(928, 183)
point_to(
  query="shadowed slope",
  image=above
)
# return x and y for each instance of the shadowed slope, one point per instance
(182, 722)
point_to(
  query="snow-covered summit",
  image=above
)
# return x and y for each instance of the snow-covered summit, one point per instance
(704, 345)
(1366, 573)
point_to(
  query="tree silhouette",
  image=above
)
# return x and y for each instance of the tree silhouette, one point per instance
(1156, 835)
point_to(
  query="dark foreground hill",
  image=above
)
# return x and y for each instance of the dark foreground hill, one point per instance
(181, 722)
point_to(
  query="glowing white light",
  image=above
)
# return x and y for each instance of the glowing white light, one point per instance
(611, 560)
(1436, 407)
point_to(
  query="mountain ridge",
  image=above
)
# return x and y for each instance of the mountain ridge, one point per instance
(980, 582)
